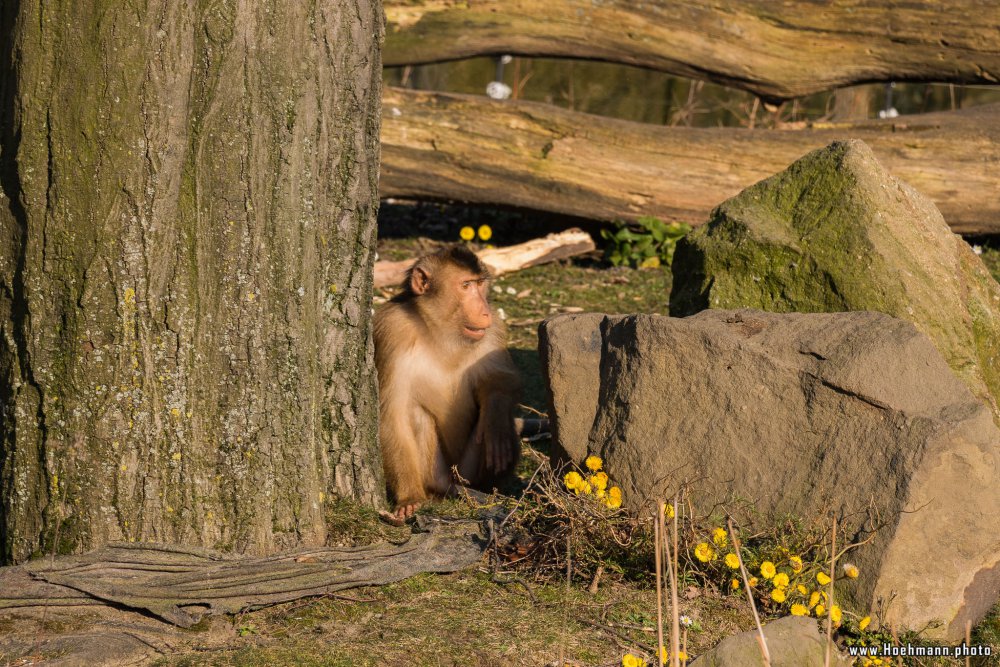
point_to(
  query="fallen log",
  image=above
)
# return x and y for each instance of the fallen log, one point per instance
(180, 584)
(537, 156)
(776, 50)
(563, 245)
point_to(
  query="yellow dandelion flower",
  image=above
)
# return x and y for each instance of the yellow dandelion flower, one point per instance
(822, 578)
(682, 656)
(629, 660)
(778, 595)
(814, 599)
(704, 552)
(600, 493)
(668, 511)
(802, 590)
(796, 563)
(599, 481)
(767, 569)
(485, 233)
(752, 582)
(467, 233)
(851, 570)
(799, 610)
(734, 584)
(585, 488)
(663, 655)
(573, 480)
(863, 623)
(835, 614)
(780, 580)
(594, 463)
(820, 610)
(720, 538)
(732, 561)
(613, 502)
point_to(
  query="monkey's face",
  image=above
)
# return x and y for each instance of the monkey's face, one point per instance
(474, 310)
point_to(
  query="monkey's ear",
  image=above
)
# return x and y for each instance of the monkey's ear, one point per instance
(420, 280)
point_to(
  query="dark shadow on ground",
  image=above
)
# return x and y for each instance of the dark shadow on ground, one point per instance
(442, 221)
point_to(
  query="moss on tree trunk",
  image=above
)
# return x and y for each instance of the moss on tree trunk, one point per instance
(187, 233)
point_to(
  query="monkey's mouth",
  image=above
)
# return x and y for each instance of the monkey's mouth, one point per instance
(474, 333)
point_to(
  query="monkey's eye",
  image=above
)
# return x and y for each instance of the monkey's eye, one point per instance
(466, 284)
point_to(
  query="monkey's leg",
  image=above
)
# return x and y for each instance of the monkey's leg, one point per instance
(409, 457)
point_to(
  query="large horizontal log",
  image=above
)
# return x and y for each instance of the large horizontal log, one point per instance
(775, 49)
(537, 156)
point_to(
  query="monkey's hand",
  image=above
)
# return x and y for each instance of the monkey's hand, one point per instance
(502, 446)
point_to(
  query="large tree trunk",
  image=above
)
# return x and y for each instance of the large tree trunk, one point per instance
(187, 237)
(537, 156)
(778, 50)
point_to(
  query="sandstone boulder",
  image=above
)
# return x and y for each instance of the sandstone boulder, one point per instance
(836, 232)
(801, 414)
(792, 641)
(570, 349)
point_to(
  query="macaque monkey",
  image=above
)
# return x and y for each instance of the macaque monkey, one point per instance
(447, 385)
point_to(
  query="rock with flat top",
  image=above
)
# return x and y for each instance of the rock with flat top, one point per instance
(799, 414)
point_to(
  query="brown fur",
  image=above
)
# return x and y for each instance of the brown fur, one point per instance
(446, 381)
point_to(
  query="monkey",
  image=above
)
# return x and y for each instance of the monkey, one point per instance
(447, 384)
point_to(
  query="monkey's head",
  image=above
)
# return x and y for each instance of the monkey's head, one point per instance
(450, 289)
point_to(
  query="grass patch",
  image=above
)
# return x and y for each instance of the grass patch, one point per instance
(476, 617)
(465, 618)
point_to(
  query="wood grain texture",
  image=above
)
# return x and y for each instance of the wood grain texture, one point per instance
(537, 156)
(778, 50)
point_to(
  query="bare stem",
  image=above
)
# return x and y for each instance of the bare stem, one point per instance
(675, 615)
(658, 550)
(761, 639)
(830, 602)
(569, 574)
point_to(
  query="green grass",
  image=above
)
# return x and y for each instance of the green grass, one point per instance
(990, 248)
(459, 619)
(469, 618)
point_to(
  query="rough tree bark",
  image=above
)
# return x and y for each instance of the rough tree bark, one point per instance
(778, 50)
(186, 247)
(537, 156)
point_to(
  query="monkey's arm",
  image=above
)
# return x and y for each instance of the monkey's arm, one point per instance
(497, 394)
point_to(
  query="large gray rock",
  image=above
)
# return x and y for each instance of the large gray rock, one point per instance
(792, 641)
(836, 232)
(802, 414)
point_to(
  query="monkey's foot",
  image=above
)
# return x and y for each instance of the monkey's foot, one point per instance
(400, 515)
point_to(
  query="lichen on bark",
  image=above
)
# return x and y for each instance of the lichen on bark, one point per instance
(188, 231)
